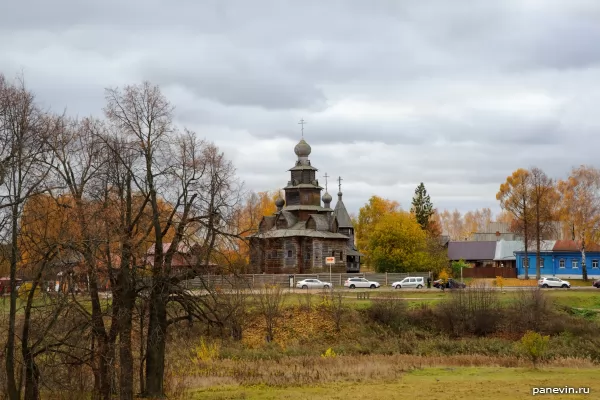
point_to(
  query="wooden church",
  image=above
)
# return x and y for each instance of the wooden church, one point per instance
(303, 232)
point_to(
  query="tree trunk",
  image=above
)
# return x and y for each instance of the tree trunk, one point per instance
(156, 340)
(583, 263)
(142, 350)
(11, 382)
(125, 322)
(538, 240)
(32, 376)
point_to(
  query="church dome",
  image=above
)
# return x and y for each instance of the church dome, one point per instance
(279, 202)
(302, 149)
(327, 198)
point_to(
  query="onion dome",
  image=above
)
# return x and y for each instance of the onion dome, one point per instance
(302, 149)
(327, 198)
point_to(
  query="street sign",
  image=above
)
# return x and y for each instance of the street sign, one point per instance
(329, 260)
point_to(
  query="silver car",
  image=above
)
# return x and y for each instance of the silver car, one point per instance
(360, 283)
(313, 284)
(410, 282)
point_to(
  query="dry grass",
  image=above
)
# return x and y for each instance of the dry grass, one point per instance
(293, 372)
(300, 371)
(448, 383)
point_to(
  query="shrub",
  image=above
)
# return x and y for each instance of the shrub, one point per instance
(474, 311)
(534, 346)
(389, 312)
(499, 281)
(530, 311)
(329, 353)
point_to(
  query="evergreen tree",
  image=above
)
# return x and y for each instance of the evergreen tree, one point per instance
(421, 206)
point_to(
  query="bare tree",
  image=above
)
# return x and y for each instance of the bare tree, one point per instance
(270, 301)
(79, 164)
(22, 152)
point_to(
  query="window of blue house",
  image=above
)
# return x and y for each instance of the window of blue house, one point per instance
(525, 262)
(595, 264)
(541, 263)
(561, 263)
(574, 264)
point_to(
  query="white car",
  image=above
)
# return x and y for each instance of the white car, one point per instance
(313, 284)
(411, 282)
(360, 283)
(553, 282)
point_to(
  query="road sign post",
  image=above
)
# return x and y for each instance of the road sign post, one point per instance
(330, 261)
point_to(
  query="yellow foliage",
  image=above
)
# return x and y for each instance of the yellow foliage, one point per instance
(205, 351)
(534, 346)
(26, 288)
(444, 276)
(499, 282)
(398, 244)
(369, 215)
(329, 353)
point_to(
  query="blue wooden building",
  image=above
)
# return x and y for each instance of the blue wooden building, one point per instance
(560, 258)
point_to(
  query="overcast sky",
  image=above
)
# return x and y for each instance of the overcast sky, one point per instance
(456, 94)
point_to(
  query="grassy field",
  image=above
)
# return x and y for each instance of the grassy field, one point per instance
(442, 382)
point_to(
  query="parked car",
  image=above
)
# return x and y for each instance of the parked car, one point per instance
(313, 284)
(596, 284)
(410, 282)
(553, 282)
(360, 283)
(451, 284)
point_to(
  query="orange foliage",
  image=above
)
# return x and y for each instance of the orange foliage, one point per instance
(580, 203)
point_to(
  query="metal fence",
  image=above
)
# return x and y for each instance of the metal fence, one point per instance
(260, 280)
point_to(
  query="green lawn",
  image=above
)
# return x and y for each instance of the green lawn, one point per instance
(433, 383)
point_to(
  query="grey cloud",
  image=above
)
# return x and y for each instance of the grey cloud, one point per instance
(493, 86)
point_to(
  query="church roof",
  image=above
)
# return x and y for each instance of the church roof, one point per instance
(321, 221)
(354, 252)
(281, 233)
(306, 208)
(302, 185)
(340, 212)
(300, 167)
(290, 218)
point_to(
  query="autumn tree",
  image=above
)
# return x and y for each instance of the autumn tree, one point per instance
(422, 207)
(249, 215)
(515, 197)
(543, 201)
(397, 243)
(580, 206)
(369, 215)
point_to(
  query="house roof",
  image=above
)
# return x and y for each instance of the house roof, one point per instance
(354, 252)
(574, 245)
(505, 249)
(471, 250)
(181, 248)
(546, 245)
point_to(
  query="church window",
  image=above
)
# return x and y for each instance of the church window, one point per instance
(289, 253)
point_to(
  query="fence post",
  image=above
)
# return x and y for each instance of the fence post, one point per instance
(252, 281)
(386, 281)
